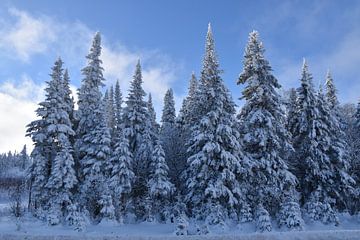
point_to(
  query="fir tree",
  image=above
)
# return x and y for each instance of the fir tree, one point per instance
(331, 92)
(291, 110)
(183, 132)
(339, 151)
(215, 158)
(57, 177)
(322, 174)
(263, 222)
(118, 105)
(154, 125)
(187, 112)
(110, 112)
(169, 137)
(93, 134)
(137, 129)
(69, 99)
(122, 175)
(265, 138)
(160, 187)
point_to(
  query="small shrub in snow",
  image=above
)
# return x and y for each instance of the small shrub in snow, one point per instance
(107, 211)
(329, 215)
(182, 225)
(202, 229)
(262, 220)
(216, 216)
(53, 216)
(76, 218)
(245, 213)
(15, 193)
(290, 215)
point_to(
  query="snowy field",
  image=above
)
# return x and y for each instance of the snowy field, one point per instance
(31, 228)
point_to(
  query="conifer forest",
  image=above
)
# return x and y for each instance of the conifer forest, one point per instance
(283, 160)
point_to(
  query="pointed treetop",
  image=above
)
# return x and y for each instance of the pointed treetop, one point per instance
(95, 50)
(210, 70)
(328, 73)
(66, 74)
(138, 69)
(305, 65)
(331, 91)
(305, 69)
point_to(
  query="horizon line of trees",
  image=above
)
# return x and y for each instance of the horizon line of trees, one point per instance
(285, 159)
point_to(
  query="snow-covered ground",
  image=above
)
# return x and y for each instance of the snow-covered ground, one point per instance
(31, 228)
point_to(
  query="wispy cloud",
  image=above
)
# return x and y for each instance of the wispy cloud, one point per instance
(25, 35)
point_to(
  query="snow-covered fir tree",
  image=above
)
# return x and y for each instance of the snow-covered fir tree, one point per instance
(183, 131)
(122, 175)
(263, 221)
(187, 111)
(169, 137)
(331, 92)
(215, 159)
(154, 125)
(138, 130)
(110, 111)
(69, 98)
(93, 135)
(118, 101)
(291, 110)
(322, 174)
(265, 138)
(160, 187)
(57, 174)
(339, 151)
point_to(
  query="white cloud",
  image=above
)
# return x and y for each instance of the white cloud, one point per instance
(17, 109)
(26, 36)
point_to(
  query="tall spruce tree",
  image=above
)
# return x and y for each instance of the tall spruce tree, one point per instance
(93, 135)
(160, 187)
(319, 172)
(331, 92)
(111, 115)
(138, 130)
(183, 131)
(122, 176)
(339, 152)
(52, 174)
(169, 137)
(118, 104)
(154, 125)
(265, 138)
(215, 161)
(187, 111)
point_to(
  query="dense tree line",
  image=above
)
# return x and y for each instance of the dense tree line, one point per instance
(287, 158)
(14, 164)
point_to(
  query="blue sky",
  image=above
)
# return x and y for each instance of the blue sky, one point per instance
(168, 37)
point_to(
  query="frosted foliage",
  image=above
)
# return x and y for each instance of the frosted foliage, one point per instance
(52, 173)
(266, 141)
(107, 209)
(159, 183)
(182, 225)
(213, 147)
(290, 214)
(263, 222)
(245, 213)
(93, 134)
